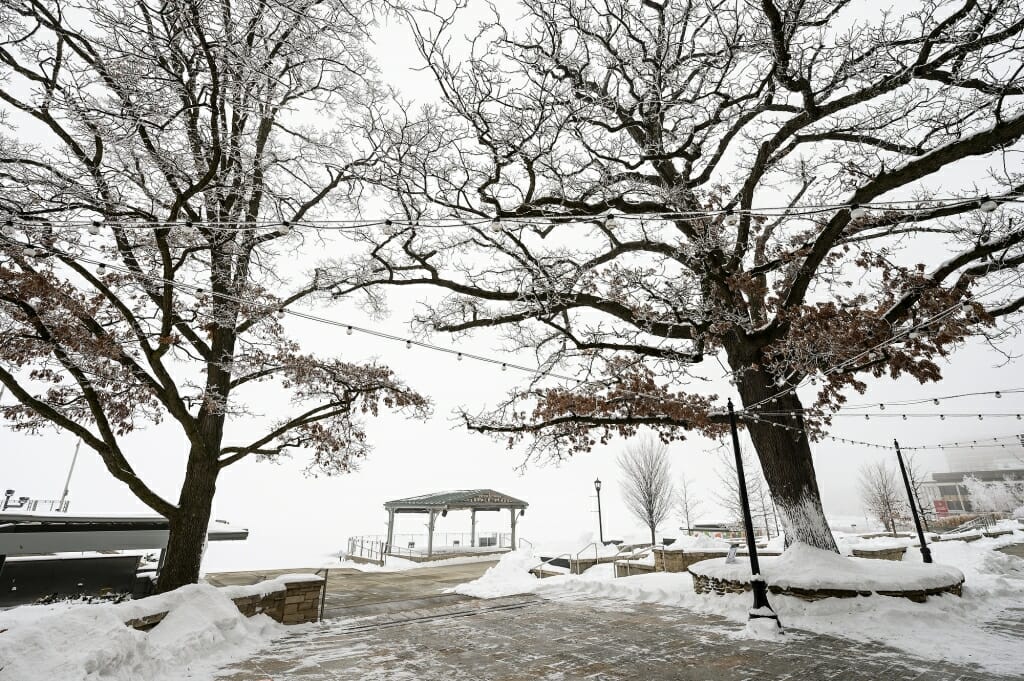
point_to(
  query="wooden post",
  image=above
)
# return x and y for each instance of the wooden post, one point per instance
(514, 518)
(430, 534)
(391, 531)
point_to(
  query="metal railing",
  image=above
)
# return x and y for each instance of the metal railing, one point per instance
(635, 555)
(550, 560)
(366, 548)
(323, 593)
(375, 548)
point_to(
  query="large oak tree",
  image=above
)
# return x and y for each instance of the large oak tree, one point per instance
(683, 118)
(194, 132)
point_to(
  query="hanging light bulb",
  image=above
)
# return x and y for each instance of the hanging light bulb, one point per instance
(408, 344)
(8, 230)
(101, 270)
(280, 313)
(504, 366)
(857, 212)
(611, 222)
(882, 407)
(1018, 417)
(867, 417)
(980, 417)
(731, 219)
(988, 205)
(999, 395)
(935, 401)
(94, 228)
(495, 224)
(285, 228)
(904, 417)
(348, 331)
(30, 252)
(459, 356)
(942, 417)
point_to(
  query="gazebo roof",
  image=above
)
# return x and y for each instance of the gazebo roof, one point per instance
(480, 499)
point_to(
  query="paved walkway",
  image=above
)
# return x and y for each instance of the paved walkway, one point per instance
(353, 593)
(527, 638)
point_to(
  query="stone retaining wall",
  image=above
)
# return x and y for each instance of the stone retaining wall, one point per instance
(894, 553)
(703, 584)
(680, 561)
(296, 603)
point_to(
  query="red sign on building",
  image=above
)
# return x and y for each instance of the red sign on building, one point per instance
(941, 508)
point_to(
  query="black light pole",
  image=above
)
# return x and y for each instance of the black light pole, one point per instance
(761, 609)
(926, 552)
(600, 523)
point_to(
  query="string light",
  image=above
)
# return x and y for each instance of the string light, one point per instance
(94, 228)
(284, 229)
(101, 270)
(988, 205)
(857, 212)
(8, 229)
(495, 225)
(731, 219)
(578, 383)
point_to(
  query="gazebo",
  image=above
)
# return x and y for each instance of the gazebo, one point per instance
(440, 503)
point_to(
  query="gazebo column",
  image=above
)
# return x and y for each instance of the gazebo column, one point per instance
(391, 531)
(430, 533)
(472, 527)
(514, 519)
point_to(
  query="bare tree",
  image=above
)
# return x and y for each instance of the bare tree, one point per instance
(918, 477)
(688, 504)
(680, 120)
(762, 511)
(647, 482)
(882, 495)
(162, 153)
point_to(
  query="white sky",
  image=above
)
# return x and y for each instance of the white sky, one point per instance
(293, 518)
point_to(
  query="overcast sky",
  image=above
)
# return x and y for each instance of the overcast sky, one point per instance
(293, 518)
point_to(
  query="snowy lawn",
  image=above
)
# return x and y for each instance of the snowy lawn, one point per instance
(945, 628)
(203, 630)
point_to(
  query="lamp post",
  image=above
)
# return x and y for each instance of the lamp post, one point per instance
(761, 609)
(600, 522)
(926, 553)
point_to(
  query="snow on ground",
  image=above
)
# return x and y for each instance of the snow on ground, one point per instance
(944, 628)
(203, 630)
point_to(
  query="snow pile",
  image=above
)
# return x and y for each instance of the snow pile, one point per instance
(805, 567)
(510, 576)
(202, 631)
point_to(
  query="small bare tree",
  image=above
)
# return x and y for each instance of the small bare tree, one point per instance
(688, 504)
(881, 493)
(647, 482)
(762, 510)
(917, 476)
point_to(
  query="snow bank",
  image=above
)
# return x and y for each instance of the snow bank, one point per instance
(805, 567)
(202, 631)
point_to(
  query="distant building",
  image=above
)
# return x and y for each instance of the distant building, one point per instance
(949, 496)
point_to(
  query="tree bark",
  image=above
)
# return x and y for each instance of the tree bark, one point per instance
(787, 463)
(189, 524)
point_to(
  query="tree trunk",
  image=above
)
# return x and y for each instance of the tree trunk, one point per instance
(189, 525)
(786, 462)
(653, 542)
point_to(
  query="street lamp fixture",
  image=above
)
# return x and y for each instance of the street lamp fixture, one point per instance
(600, 521)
